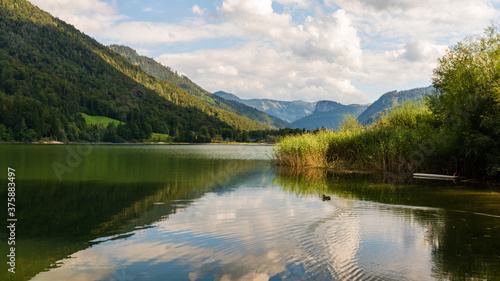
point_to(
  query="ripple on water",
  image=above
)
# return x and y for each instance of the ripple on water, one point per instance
(259, 233)
(316, 241)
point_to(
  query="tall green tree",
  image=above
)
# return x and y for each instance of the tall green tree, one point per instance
(467, 102)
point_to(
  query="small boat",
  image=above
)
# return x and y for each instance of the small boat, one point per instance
(434, 176)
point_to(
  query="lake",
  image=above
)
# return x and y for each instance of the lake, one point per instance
(224, 212)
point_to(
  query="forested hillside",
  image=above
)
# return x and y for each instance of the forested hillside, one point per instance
(159, 71)
(50, 73)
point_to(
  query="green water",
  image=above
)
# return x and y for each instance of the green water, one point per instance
(223, 212)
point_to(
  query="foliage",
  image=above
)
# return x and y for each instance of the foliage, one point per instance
(349, 122)
(408, 115)
(467, 102)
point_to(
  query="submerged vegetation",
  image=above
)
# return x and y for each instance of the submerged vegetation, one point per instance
(454, 130)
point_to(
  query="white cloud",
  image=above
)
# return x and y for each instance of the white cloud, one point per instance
(319, 52)
(152, 32)
(90, 16)
(413, 61)
(302, 4)
(420, 51)
(262, 71)
(255, 16)
(143, 52)
(322, 54)
(392, 19)
(330, 38)
(402, 39)
(197, 10)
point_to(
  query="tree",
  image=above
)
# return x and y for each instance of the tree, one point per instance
(21, 130)
(111, 133)
(467, 101)
(4, 133)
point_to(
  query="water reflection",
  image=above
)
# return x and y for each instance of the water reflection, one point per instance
(59, 218)
(460, 224)
(189, 217)
(260, 233)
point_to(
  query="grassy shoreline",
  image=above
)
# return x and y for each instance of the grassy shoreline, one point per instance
(386, 145)
(155, 143)
(403, 141)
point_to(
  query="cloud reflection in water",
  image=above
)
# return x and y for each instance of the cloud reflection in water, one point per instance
(258, 233)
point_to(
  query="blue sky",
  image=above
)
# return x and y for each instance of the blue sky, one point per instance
(349, 51)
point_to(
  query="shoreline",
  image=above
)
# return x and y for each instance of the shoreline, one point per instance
(387, 175)
(145, 143)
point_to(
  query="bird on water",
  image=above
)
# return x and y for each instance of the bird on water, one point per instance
(326, 198)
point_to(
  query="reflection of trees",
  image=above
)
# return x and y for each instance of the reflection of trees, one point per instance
(466, 245)
(59, 219)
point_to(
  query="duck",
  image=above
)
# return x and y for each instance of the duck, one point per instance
(326, 198)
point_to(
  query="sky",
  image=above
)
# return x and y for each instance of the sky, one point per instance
(349, 51)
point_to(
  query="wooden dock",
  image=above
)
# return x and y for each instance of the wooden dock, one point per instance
(434, 176)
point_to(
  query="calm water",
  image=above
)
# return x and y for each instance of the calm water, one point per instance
(206, 212)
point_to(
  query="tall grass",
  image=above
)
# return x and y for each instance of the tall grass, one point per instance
(386, 145)
(306, 150)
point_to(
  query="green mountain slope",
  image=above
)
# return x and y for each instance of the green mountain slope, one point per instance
(328, 114)
(389, 100)
(285, 110)
(159, 71)
(50, 73)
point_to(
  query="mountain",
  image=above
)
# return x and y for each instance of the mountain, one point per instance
(162, 72)
(50, 73)
(389, 100)
(328, 114)
(284, 110)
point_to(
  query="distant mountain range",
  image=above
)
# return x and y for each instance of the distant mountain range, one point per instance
(285, 110)
(162, 72)
(328, 114)
(389, 100)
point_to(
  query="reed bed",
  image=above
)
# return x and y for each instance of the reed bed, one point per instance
(305, 150)
(386, 145)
